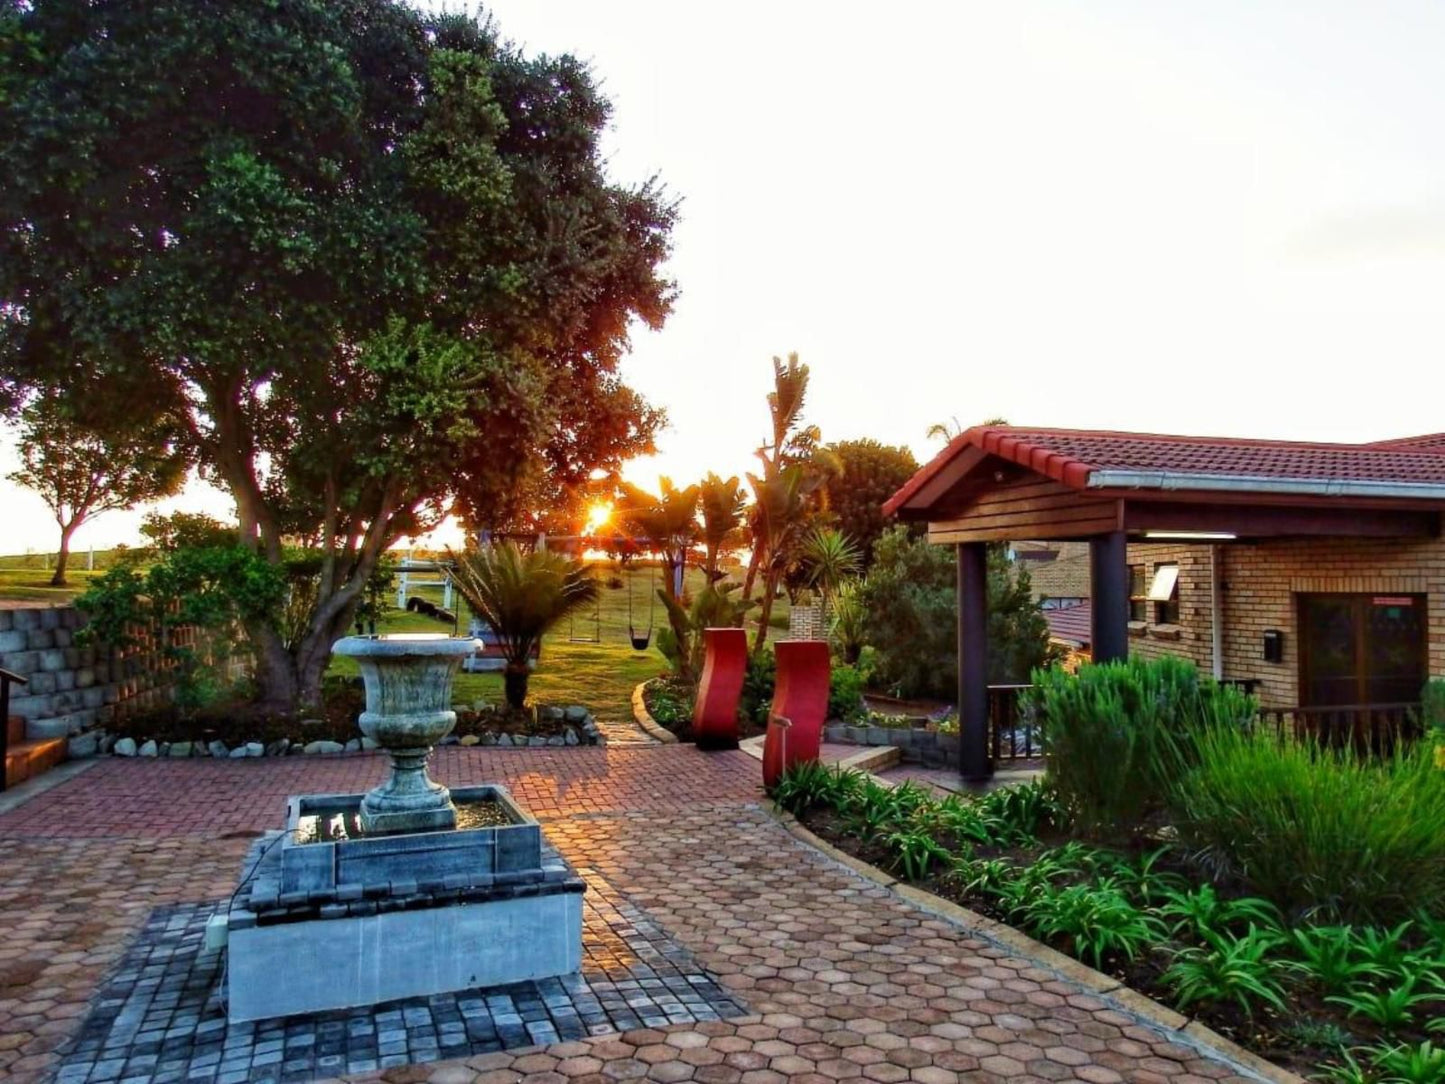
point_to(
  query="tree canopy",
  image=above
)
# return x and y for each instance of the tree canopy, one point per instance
(370, 255)
(871, 473)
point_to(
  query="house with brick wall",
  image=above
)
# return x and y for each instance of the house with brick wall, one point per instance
(1311, 573)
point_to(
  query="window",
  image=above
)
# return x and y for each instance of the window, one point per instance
(1138, 602)
(1164, 593)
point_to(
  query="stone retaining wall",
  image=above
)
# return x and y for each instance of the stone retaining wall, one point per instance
(915, 744)
(74, 690)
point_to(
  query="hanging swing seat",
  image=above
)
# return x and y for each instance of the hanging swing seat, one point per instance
(641, 640)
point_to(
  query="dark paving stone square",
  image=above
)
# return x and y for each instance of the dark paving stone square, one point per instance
(160, 1016)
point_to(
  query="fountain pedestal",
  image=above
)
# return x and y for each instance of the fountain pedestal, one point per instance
(406, 891)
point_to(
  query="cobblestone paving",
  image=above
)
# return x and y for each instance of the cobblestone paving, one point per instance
(624, 732)
(159, 1016)
(842, 979)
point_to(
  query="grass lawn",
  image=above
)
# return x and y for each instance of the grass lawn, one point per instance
(600, 675)
(33, 584)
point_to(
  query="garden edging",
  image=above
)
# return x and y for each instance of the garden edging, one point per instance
(644, 719)
(1188, 1031)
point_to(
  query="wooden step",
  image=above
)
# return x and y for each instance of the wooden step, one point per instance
(27, 759)
(15, 730)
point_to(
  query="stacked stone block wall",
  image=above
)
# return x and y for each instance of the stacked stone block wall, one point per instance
(1260, 583)
(74, 689)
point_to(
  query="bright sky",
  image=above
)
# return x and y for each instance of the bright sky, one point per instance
(1215, 217)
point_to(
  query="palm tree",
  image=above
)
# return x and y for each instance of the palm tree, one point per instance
(952, 428)
(521, 595)
(778, 514)
(793, 446)
(667, 521)
(722, 514)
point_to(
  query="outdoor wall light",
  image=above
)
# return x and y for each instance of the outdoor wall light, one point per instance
(1273, 645)
(1195, 536)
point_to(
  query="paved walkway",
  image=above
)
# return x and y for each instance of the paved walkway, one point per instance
(840, 978)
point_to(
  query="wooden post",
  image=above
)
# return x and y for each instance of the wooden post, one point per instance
(1109, 590)
(974, 762)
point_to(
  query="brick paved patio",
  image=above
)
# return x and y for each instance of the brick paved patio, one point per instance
(840, 978)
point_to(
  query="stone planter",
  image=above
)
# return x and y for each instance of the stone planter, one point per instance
(858, 735)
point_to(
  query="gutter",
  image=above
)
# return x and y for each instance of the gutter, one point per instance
(1249, 483)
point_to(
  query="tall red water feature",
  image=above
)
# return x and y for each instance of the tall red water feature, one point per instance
(800, 698)
(715, 712)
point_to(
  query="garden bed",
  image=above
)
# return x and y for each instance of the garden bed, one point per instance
(238, 730)
(1150, 918)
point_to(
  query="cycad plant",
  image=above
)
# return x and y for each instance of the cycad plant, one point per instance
(848, 621)
(521, 595)
(832, 560)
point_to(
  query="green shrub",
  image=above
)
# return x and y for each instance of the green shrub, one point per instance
(845, 693)
(1228, 969)
(1093, 921)
(1432, 707)
(911, 605)
(759, 681)
(1327, 832)
(812, 783)
(1327, 958)
(1423, 1063)
(1119, 733)
(1021, 812)
(1200, 912)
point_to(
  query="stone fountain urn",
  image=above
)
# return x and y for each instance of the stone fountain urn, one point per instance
(408, 710)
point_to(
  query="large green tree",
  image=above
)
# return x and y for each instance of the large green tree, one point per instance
(369, 254)
(870, 473)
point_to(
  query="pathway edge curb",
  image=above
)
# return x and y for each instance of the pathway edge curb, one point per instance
(1130, 1000)
(645, 720)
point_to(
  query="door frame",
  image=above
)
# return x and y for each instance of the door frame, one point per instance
(1357, 598)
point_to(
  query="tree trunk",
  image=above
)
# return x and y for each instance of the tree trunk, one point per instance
(62, 558)
(289, 680)
(752, 571)
(514, 682)
(765, 615)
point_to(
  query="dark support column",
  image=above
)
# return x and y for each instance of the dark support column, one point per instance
(1109, 584)
(974, 762)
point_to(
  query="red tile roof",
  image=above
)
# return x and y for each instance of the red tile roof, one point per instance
(1426, 442)
(1079, 458)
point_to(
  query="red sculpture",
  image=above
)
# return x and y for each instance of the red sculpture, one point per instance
(800, 705)
(715, 712)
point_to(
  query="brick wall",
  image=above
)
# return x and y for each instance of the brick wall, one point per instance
(72, 690)
(1261, 581)
(805, 622)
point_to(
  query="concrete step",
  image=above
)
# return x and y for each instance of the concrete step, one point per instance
(27, 759)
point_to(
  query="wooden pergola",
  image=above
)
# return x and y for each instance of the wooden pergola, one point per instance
(1001, 483)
